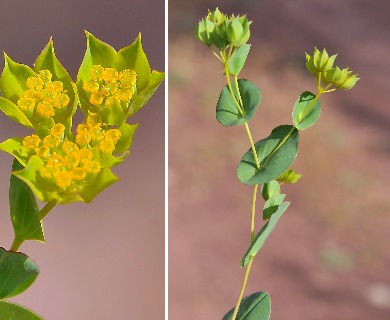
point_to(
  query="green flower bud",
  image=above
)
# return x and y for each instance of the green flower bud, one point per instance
(341, 78)
(204, 31)
(216, 16)
(319, 62)
(237, 30)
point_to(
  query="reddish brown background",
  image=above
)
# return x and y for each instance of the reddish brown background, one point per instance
(104, 260)
(328, 257)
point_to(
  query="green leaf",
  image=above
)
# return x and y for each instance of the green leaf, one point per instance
(237, 61)
(275, 154)
(306, 110)
(272, 205)
(12, 111)
(263, 234)
(13, 79)
(13, 311)
(270, 189)
(127, 132)
(227, 111)
(104, 179)
(17, 273)
(143, 96)
(256, 306)
(23, 209)
(15, 147)
(134, 57)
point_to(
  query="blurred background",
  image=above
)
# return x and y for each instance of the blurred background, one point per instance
(104, 260)
(329, 256)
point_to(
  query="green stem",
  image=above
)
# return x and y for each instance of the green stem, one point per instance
(16, 244)
(310, 106)
(246, 276)
(252, 145)
(46, 209)
(253, 212)
(231, 88)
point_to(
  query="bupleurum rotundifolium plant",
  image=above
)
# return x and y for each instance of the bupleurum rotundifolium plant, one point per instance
(60, 162)
(268, 161)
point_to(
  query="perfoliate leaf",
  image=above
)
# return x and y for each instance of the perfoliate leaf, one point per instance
(256, 306)
(237, 61)
(263, 234)
(306, 110)
(17, 273)
(275, 154)
(13, 311)
(23, 209)
(227, 111)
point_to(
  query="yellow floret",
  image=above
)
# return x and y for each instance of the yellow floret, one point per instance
(124, 94)
(106, 146)
(96, 98)
(42, 152)
(110, 75)
(63, 179)
(31, 142)
(51, 141)
(91, 86)
(45, 109)
(69, 147)
(78, 174)
(112, 135)
(57, 130)
(27, 104)
(83, 137)
(85, 154)
(97, 72)
(45, 76)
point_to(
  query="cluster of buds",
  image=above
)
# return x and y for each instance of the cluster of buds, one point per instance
(219, 30)
(321, 65)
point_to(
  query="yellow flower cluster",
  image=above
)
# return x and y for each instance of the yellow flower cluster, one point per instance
(67, 163)
(108, 86)
(93, 133)
(43, 96)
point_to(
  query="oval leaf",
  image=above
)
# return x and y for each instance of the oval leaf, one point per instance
(17, 273)
(256, 306)
(263, 234)
(227, 111)
(237, 61)
(13, 311)
(275, 154)
(306, 110)
(23, 209)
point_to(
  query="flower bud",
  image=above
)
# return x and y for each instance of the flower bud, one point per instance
(204, 31)
(238, 30)
(341, 78)
(319, 62)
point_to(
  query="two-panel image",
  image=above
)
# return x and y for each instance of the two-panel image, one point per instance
(194, 160)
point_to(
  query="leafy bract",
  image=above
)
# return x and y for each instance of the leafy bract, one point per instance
(227, 112)
(13, 311)
(306, 110)
(237, 61)
(17, 273)
(256, 306)
(23, 209)
(270, 189)
(275, 154)
(263, 234)
(272, 205)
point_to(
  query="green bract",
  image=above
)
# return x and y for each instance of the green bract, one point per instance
(319, 61)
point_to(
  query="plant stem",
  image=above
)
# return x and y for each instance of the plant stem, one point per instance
(246, 276)
(253, 212)
(46, 209)
(16, 244)
(231, 88)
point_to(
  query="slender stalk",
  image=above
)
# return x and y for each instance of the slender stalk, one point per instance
(247, 271)
(231, 88)
(252, 145)
(253, 211)
(46, 209)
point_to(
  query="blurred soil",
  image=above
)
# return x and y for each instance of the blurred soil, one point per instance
(328, 258)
